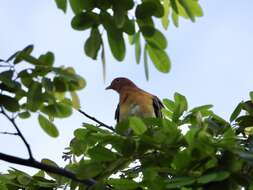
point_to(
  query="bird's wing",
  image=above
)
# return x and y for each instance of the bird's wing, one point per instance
(116, 116)
(158, 105)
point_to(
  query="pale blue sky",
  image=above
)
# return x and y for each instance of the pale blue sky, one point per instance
(211, 64)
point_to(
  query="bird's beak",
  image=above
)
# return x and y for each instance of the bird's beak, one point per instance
(108, 87)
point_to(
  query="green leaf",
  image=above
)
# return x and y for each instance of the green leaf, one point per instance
(48, 126)
(28, 49)
(174, 6)
(84, 20)
(19, 56)
(78, 5)
(80, 134)
(248, 107)
(149, 8)
(201, 108)
(60, 84)
(129, 26)
(131, 39)
(137, 125)
(75, 100)
(102, 4)
(47, 59)
(181, 101)
(9, 103)
(236, 112)
(93, 43)
(40, 173)
(75, 82)
(119, 16)
(159, 58)
(245, 121)
(181, 160)
(137, 47)
(122, 127)
(126, 4)
(100, 153)
(6, 78)
(61, 4)
(145, 9)
(25, 77)
(34, 96)
(24, 179)
(187, 7)
(145, 58)
(175, 18)
(169, 104)
(61, 109)
(157, 39)
(180, 182)
(107, 21)
(117, 44)
(51, 163)
(218, 176)
(88, 170)
(146, 26)
(196, 8)
(24, 115)
(123, 184)
(165, 19)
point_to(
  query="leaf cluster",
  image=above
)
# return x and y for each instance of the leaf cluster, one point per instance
(41, 88)
(187, 149)
(133, 19)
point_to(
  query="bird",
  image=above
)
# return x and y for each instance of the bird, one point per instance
(133, 101)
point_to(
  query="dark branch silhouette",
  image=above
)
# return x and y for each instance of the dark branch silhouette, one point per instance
(96, 120)
(35, 164)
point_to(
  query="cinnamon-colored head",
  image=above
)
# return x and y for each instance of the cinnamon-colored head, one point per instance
(120, 83)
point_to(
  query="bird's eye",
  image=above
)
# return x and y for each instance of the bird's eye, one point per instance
(117, 80)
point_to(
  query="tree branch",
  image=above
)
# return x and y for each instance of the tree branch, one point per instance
(35, 164)
(19, 133)
(97, 121)
(31, 162)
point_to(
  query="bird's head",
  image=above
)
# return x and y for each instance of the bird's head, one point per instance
(120, 83)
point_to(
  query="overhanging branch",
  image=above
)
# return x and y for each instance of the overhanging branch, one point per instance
(35, 164)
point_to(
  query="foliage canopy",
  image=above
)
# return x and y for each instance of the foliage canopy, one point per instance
(137, 20)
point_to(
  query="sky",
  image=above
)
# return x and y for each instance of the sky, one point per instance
(211, 64)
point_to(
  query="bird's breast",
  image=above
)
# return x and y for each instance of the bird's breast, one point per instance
(136, 104)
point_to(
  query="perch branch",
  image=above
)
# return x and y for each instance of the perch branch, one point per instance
(96, 120)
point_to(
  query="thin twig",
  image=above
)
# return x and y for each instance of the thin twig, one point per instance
(8, 133)
(97, 121)
(19, 133)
